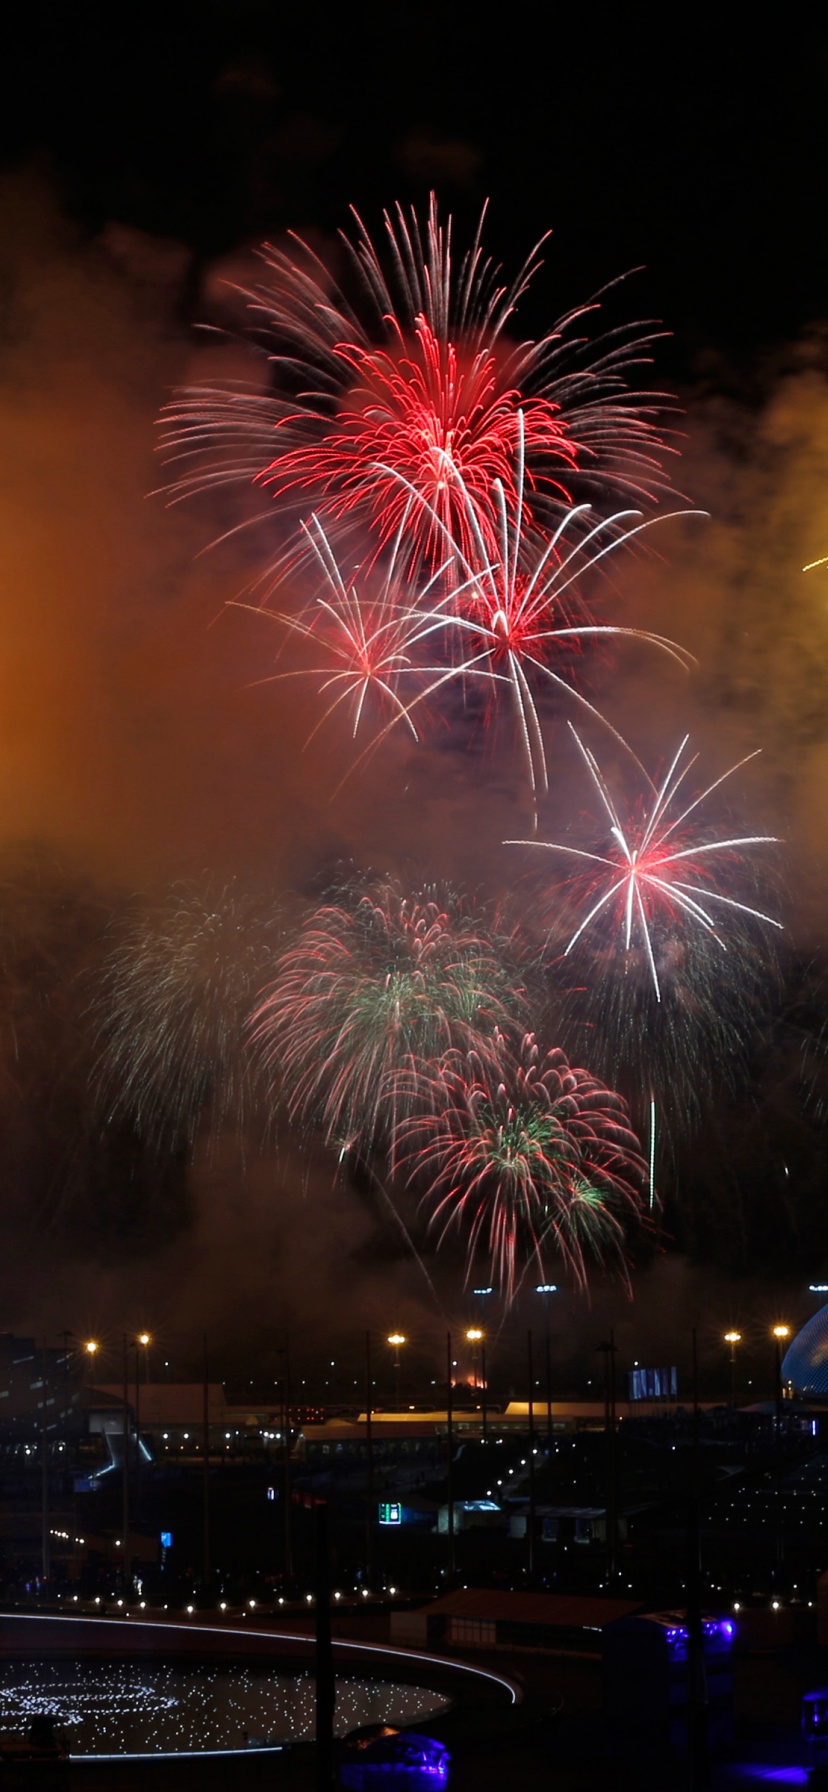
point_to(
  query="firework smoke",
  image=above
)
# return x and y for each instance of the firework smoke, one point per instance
(176, 991)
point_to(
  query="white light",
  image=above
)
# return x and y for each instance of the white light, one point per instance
(337, 1595)
(775, 1605)
(189, 1608)
(309, 1598)
(252, 1604)
(223, 1605)
(392, 1590)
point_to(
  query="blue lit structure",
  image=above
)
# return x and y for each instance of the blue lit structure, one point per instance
(652, 1384)
(815, 1726)
(646, 1681)
(392, 1761)
(805, 1364)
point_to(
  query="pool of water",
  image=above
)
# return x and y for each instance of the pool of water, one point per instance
(128, 1707)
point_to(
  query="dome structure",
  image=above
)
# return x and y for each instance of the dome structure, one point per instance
(805, 1364)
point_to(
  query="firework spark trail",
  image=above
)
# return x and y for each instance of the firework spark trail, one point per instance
(645, 870)
(428, 387)
(499, 617)
(369, 633)
(491, 621)
(369, 985)
(175, 993)
(525, 1154)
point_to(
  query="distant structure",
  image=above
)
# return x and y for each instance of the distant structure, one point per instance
(805, 1365)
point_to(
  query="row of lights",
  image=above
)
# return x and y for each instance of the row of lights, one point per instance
(92, 1346)
(779, 1332)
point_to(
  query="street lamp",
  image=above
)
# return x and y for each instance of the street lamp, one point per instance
(397, 1340)
(136, 1343)
(476, 1336)
(780, 1334)
(547, 1288)
(90, 1349)
(733, 1338)
(141, 1342)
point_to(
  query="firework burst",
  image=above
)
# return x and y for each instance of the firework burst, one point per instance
(417, 380)
(511, 617)
(368, 633)
(526, 1156)
(368, 986)
(506, 624)
(175, 994)
(658, 880)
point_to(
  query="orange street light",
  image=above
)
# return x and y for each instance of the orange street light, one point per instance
(733, 1338)
(397, 1340)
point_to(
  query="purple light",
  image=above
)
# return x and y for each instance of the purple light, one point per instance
(410, 1762)
(773, 1776)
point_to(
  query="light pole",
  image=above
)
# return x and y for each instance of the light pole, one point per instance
(780, 1334)
(369, 1464)
(45, 1539)
(283, 1351)
(475, 1336)
(142, 1342)
(125, 1550)
(91, 1348)
(547, 1288)
(733, 1338)
(531, 1525)
(450, 1448)
(397, 1340)
(608, 1351)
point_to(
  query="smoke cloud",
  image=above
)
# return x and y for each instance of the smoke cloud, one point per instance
(144, 737)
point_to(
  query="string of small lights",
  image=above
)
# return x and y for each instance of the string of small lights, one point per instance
(128, 1708)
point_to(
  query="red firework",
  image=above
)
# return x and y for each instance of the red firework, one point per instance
(421, 412)
(524, 1154)
(420, 381)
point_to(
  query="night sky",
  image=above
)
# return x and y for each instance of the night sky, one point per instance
(139, 744)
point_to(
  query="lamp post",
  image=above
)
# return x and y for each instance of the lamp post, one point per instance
(125, 1551)
(450, 1450)
(142, 1342)
(547, 1288)
(780, 1334)
(45, 1538)
(283, 1351)
(532, 1506)
(91, 1348)
(369, 1463)
(475, 1336)
(733, 1338)
(608, 1351)
(397, 1340)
